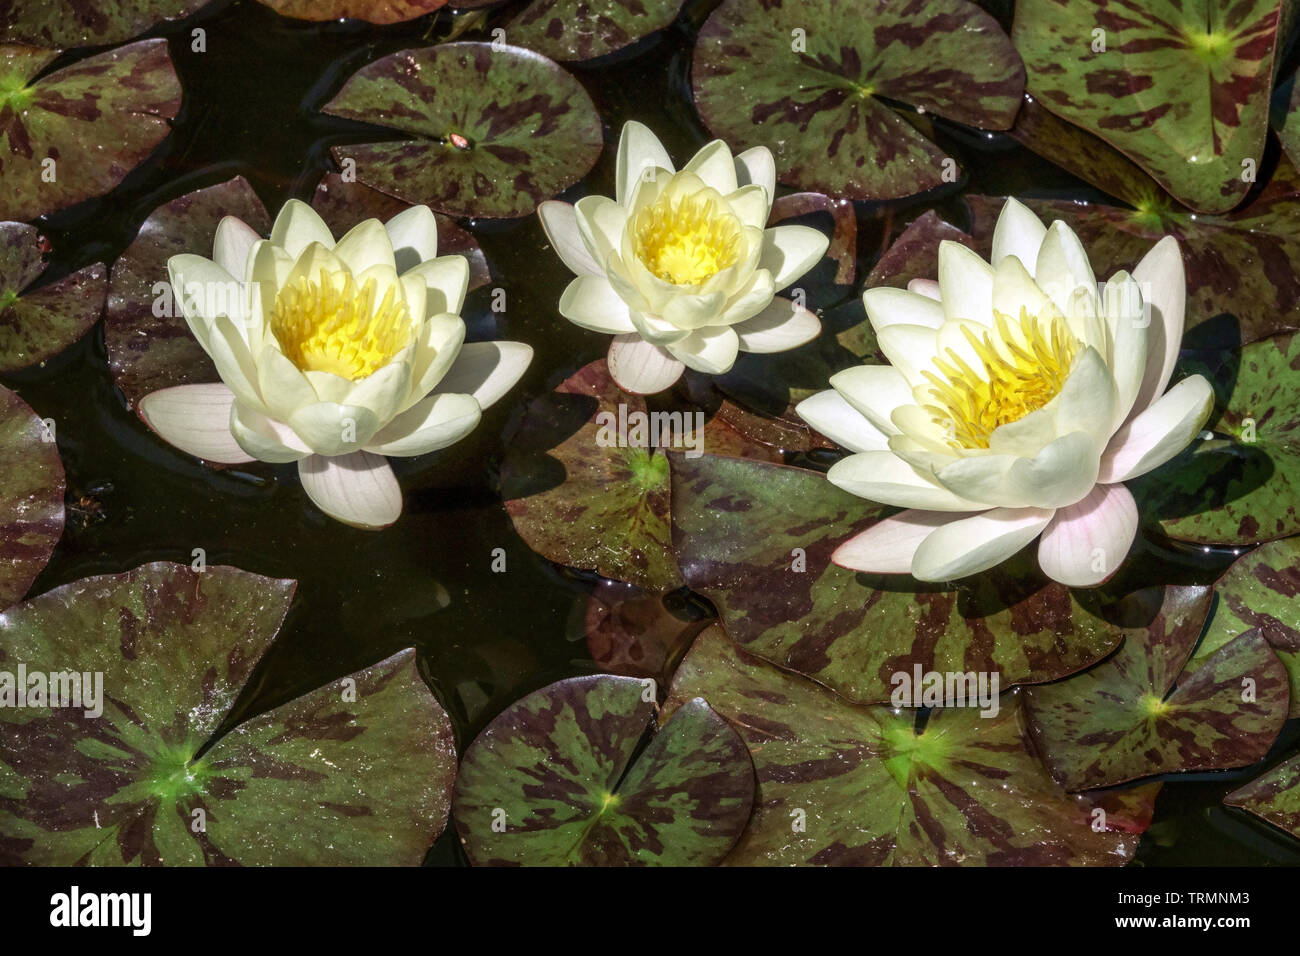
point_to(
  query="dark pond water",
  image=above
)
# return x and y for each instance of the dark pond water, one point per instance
(252, 107)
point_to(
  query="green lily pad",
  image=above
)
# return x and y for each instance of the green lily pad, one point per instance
(343, 204)
(581, 499)
(1274, 797)
(812, 80)
(840, 783)
(149, 345)
(1139, 713)
(498, 129)
(556, 780)
(1259, 591)
(31, 496)
(756, 539)
(76, 133)
(631, 632)
(64, 23)
(1179, 86)
(1243, 269)
(373, 11)
(359, 771)
(570, 30)
(1286, 116)
(1243, 485)
(38, 324)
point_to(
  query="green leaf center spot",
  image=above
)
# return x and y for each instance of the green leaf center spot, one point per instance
(1153, 706)
(174, 776)
(7, 298)
(1211, 47)
(649, 469)
(14, 92)
(907, 749)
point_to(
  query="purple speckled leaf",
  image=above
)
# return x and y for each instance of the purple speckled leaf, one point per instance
(76, 133)
(812, 80)
(148, 351)
(844, 784)
(756, 539)
(1179, 86)
(374, 11)
(1274, 797)
(1139, 713)
(553, 781)
(31, 496)
(630, 632)
(570, 30)
(356, 772)
(497, 130)
(65, 23)
(1286, 116)
(37, 325)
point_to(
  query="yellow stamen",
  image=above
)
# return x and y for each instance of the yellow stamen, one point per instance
(687, 241)
(332, 325)
(1020, 373)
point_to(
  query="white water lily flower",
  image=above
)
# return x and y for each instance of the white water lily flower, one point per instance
(333, 355)
(678, 266)
(1019, 397)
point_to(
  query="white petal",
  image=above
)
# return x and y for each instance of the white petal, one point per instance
(445, 280)
(438, 346)
(329, 428)
(203, 290)
(1163, 283)
(1160, 432)
(887, 306)
(751, 204)
(487, 370)
(714, 164)
(889, 545)
(234, 241)
(965, 283)
(590, 302)
(875, 391)
(560, 223)
(1122, 300)
(1085, 543)
(440, 420)
(756, 166)
(970, 545)
(926, 287)
(884, 477)
(692, 311)
(637, 149)
(711, 350)
(790, 251)
(298, 226)
(781, 326)
(910, 349)
(1018, 233)
(234, 362)
(1060, 474)
(264, 438)
(413, 235)
(383, 391)
(640, 367)
(284, 388)
(1063, 268)
(600, 222)
(839, 421)
(195, 419)
(1015, 289)
(358, 489)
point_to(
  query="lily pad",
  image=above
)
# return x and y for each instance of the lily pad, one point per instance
(1139, 713)
(498, 129)
(569, 30)
(343, 204)
(1179, 86)
(1286, 116)
(1243, 485)
(1274, 797)
(31, 496)
(915, 253)
(373, 11)
(1259, 591)
(632, 632)
(814, 81)
(832, 278)
(359, 771)
(76, 133)
(149, 345)
(757, 539)
(845, 784)
(556, 780)
(38, 324)
(64, 23)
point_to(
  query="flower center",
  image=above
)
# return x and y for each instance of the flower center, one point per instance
(687, 241)
(332, 325)
(1022, 371)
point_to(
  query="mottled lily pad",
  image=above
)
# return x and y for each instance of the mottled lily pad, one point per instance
(498, 129)
(1243, 269)
(1286, 116)
(556, 780)
(374, 11)
(76, 133)
(757, 539)
(149, 345)
(1243, 485)
(31, 496)
(343, 204)
(359, 771)
(586, 29)
(843, 784)
(38, 324)
(1179, 86)
(1139, 713)
(631, 632)
(915, 253)
(813, 81)
(65, 23)
(1274, 797)
(1262, 591)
